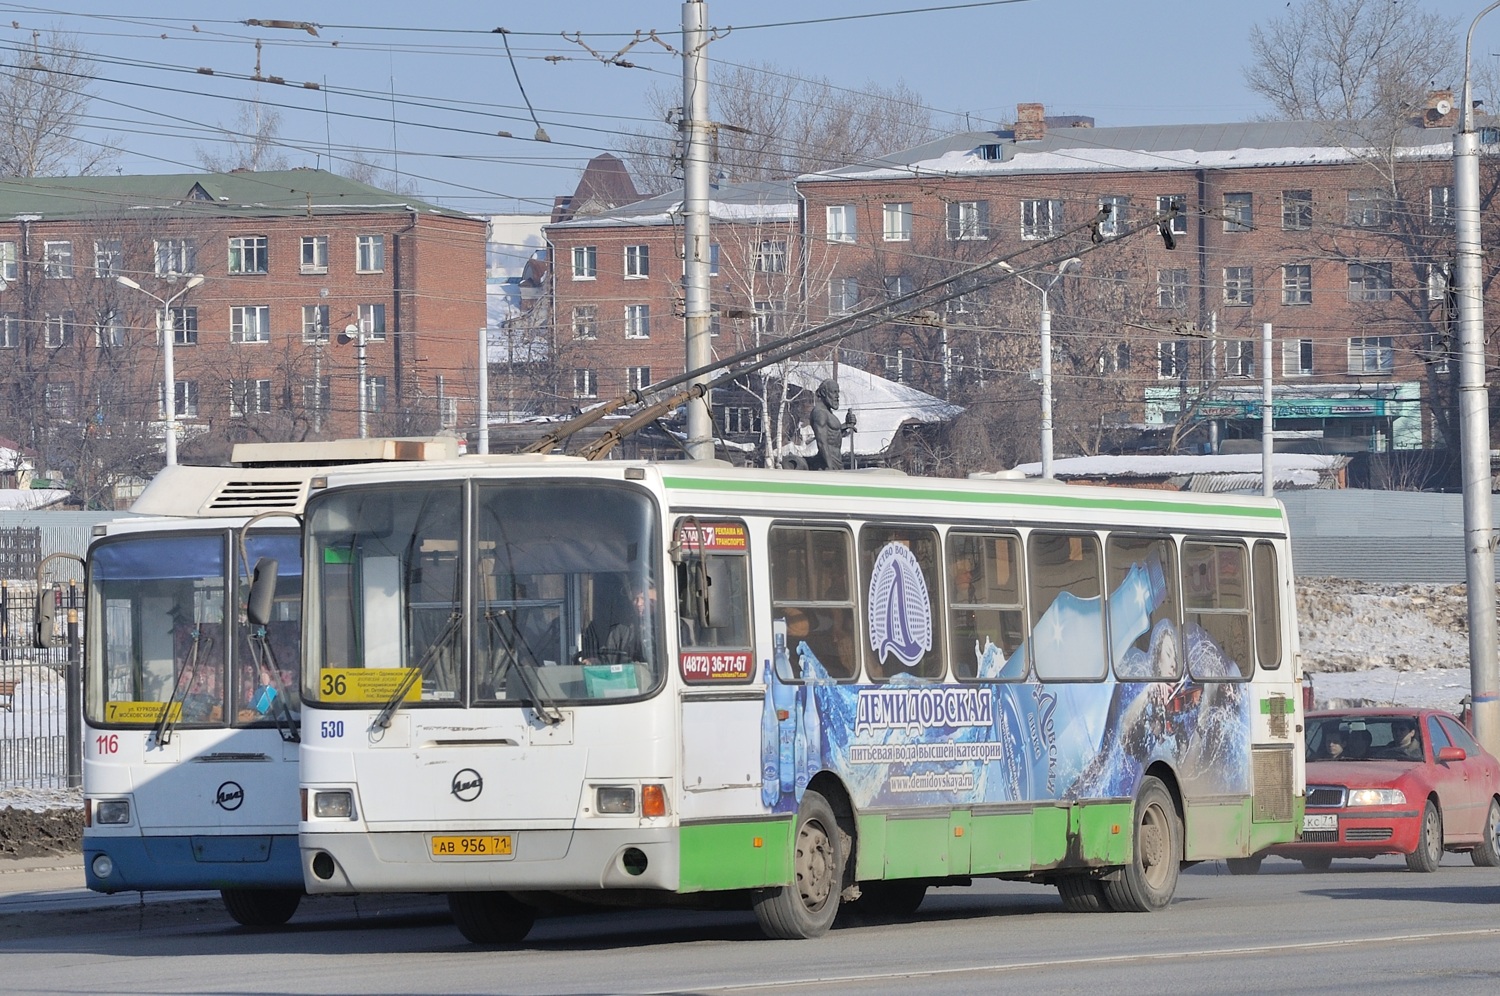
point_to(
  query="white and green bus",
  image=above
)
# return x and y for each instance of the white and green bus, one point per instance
(691, 683)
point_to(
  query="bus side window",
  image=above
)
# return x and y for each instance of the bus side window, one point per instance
(986, 614)
(811, 590)
(906, 629)
(1217, 602)
(730, 575)
(1067, 624)
(1145, 628)
(1266, 594)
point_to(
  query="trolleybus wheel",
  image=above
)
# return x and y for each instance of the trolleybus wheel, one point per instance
(807, 907)
(1149, 880)
(890, 898)
(1082, 894)
(1244, 866)
(261, 907)
(1429, 852)
(1487, 854)
(490, 917)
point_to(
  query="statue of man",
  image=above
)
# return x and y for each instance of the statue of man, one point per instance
(828, 430)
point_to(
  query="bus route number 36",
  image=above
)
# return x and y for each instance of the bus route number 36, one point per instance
(331, 729)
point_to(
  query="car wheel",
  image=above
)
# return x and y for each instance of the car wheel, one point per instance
(1318, 863)
(1244, 866)
(1487, 854)
(1429, 852)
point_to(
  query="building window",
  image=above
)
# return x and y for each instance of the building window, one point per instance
(1172, 288)
(1165, 204)
(586, 321)
(249, 397)
(1114, 223)
(184, 398)
(59, 400)
(1438, 285)
(315, 323)
(1296, 284)
(740, 420)
(1239, 215)
(375, 393)
(109, 331)
(175, 257)
(314, 254)
(1239, 286)
(968, 220)
(1297, 358)
(247, 254)
(372, 322)
(1374, 354)
(315, 395)
(107, 256)
(897, 366)
(1440, 206)
(1369, 282)
(1296, 210)
(637, 378)
(448, 411)
(1171, 359)
(1239, 358)
(58, 328)
(638, 321)
(715, 318)
(843, 295)
(369, 253)
(184, 326)
(1368, 208)
(770, 256)
(57, 260)
(585, 384)
(585, 262)
(9, 262)
(1439, 351)
(897, 222)
(250, 323)
(1041, 218)
(841, 223)
(769, 319)
(898, 286)
(10, 330)
(637, 262)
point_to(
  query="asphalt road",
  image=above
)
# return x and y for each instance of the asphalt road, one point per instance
(1364, 927)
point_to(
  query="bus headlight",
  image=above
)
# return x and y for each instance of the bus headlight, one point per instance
(615, 800)
(334, 805)
(113, 812)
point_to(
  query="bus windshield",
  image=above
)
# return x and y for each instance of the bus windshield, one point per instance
(562, 607)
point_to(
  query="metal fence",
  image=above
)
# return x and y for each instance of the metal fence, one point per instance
(40, 745)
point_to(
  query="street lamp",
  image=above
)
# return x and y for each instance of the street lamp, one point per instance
(1473, 415)
(356, 334)
(1070, 265)
(168, 374)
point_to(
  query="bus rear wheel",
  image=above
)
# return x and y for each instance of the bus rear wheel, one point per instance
(1244, 866)
(1082, 894)
(490, 917)
(808, 906)
(261, 907)
(1149, 881)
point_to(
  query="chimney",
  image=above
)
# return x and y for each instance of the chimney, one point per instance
(1031, 122)
(1441, 111)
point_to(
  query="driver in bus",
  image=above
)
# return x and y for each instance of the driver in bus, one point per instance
(626, 641)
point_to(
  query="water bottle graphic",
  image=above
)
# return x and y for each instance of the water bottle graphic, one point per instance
(799, 749)
(770, 741)
(812, 728)
(784, 696)
(1131, 605)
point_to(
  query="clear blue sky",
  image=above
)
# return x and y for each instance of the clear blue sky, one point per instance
(442, 73)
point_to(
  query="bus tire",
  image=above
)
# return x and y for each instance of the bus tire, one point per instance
(890, 898)
(1082, 894)
(261, 907)
(808, 906)
(1244, 866)
(490, 917)
(1148, 882)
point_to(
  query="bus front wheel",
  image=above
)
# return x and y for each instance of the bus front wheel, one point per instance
(490, 917)
(1148, 882)
(807, 907)
(261, 907)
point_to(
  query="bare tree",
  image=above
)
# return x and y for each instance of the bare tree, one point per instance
(363, 168)
(252, 142)
(774, 125)
(44, 93)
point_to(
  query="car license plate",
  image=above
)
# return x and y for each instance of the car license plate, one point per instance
(486, 845)
(1320, 821)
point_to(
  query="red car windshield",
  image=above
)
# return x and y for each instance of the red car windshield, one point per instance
(1364, 738)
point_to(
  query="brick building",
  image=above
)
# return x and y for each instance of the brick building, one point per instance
(289, 260)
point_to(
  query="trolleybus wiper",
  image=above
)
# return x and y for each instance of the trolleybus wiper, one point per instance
(190, 671)
(415, 675)
(544, 706)
(286, 724)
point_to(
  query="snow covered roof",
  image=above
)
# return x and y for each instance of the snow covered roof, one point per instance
(29, 499)
(881, 406)
(760, 201)
(1221, 472)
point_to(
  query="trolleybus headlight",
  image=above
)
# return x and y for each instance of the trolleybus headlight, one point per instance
(112, 811)
(1376, 797)
(616, 800)
(333, 805)
(103, 866)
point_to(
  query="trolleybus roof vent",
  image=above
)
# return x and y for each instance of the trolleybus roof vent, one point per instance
(245, 496)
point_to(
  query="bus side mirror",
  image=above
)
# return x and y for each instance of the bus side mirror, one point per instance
(46, 620)
(262, 591)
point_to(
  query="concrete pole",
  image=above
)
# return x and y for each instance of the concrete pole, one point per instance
(697, 247)
(1474, 419)
(1046, 347)
(1267, 471)
(484, 389)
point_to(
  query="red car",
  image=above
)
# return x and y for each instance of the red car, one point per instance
(1394, 781)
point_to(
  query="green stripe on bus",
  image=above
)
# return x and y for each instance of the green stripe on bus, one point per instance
(1287, 706)
(1048, 500)
(749, 855)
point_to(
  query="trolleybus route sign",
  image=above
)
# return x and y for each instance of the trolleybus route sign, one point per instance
(358, 684)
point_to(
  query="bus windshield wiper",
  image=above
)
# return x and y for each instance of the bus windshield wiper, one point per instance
(188, 672)
(414, 676)
(265, 662)
(543, 704)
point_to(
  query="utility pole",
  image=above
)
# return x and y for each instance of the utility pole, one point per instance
(1474, 419)
(484, 389)
(697, 247)
(1267, 415)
